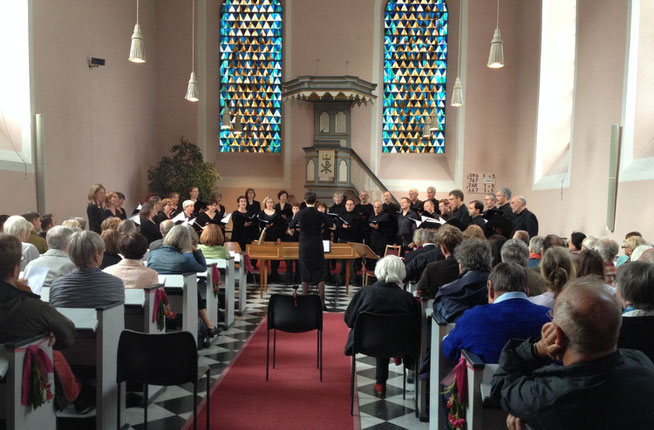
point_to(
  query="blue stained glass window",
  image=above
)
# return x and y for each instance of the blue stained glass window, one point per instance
(251, 74)
(415, 71)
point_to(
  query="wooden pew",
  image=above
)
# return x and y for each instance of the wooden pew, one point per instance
(426, 309)
(439, 368)
(480, 374)
(17, 416)
(182, 293)
(139, 309)
(228, 284)
(96, 344)
(241, 274)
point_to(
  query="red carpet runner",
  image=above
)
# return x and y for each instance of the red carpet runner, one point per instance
(294, 397)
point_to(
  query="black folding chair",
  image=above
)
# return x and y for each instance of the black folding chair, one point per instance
(384, 336)
(160, 359)
(294, 314)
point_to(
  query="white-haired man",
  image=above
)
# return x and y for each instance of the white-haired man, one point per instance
(56, 257)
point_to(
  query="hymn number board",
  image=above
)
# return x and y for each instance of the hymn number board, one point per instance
(480, 183)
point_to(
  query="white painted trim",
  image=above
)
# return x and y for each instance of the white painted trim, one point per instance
(553, 182)
(201, 66)
(461, 114)
(13, 166)
(631, 169)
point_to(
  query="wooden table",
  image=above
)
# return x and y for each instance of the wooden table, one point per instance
(290, 251)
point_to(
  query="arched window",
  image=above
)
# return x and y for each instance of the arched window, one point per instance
(251, 74)
(415, 64)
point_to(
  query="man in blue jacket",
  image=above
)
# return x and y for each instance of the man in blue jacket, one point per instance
(485, 329)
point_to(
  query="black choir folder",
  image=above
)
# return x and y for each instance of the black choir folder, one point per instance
(496, 220)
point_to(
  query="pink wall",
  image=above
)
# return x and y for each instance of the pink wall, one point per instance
(99, 123)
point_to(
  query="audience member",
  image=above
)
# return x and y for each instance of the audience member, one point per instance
(630, 244)
(19, 227)
(3, 218)
(583, 335)
(72, 224)
(496, 242)
(557, 269)
(87, 286)
(575, 242)
(35, 238)
(522, 235)
(383, 297)
(110, 223)
(535, 251)
(469, 289)
(178, 256)
(81, 221)
(24, 315)
(420, 237)
(127, 226)
(211, 243)
(47, 222)
(56, 257)
(647, 256)
(485, 329)
(590, 263)
(608, 249)
(515, 251)
(429, 253)
(552, 240)
(473, 231)
(444, 271)
(588, 243)
(164, 228)
(130, 269)
(111, 252)
(638, 252)
(524, 218)
(635, 292)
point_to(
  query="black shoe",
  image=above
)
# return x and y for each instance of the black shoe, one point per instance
(85, 401)
(205, 343)
(212, 332)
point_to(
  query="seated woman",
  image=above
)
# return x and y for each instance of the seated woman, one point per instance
(148, 227)
(588, 263)
(87, 286)
(211, 243)
(56, 258)
(111, 239)
(385, 296)
(178, 255)
(635, 291)
(557, 268)
(126, 226)
(21, 228)
(133, 273)
(110, 223)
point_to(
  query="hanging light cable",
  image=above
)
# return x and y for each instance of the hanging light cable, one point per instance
(137, 49)
(192, 90)
(457, 91)
(496, 55)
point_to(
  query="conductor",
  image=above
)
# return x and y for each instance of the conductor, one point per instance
(310, 223)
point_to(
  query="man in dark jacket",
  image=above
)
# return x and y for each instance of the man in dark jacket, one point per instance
(444, 271)
(524, 218)
(583, 335)
(469, 289)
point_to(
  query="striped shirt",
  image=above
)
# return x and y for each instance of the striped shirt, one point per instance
(89, 287)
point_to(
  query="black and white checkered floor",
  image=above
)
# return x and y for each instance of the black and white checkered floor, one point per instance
(174, 406)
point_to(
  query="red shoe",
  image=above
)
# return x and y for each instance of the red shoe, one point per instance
(380, 390)
(397, 360)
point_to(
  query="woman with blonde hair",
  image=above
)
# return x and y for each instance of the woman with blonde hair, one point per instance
(557, 268)
(211, 243)
(110, 223)
(95, 209)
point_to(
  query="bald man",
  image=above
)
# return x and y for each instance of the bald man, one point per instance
(524, 218)
(583, 336)
(647, 256)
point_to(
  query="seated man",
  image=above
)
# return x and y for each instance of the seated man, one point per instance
(24, 315)
(87, 286)
(383, 297)
(431, 253)
(419, 241)
(443, 271)
(56, 257)
(485, 329)
(598, 386)
(515, 251)
(469, 289)
(635, 291)
(164, 228)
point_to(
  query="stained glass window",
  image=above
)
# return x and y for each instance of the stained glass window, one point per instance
(415, 66)
(251, 74)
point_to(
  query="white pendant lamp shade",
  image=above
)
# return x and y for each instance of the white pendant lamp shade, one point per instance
(496, 56)
(238, 127)
(137, 48)
(226, 123)
(426, 129)
(457, 93)
(434, 121)
(192, 90)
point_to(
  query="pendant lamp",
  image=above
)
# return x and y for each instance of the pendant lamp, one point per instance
(457, 91)
(238, 127)
(192, 89)
(226, 122)
(496, 55)
(137, 49)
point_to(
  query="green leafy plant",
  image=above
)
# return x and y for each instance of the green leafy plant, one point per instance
(186, 168)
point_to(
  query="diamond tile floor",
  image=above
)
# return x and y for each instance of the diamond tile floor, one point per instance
(174, 406)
